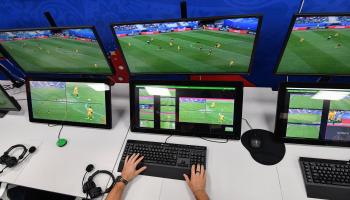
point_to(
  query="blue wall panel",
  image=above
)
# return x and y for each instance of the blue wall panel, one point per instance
(101, 13)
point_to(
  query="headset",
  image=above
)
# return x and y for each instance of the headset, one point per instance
(90, 188)
(12, 161)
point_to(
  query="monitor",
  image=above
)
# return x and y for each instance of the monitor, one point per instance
(7, 103)
(68, 50)
(73, 102)
(202, 109)
(218, 45)
(317, 44)
(314, 114)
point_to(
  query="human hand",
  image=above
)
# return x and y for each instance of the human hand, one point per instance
(129, 170)
(197, 182)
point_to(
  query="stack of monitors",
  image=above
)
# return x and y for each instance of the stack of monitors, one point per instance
(203, 109)
(48, 52)
(314, 114)
(317, 44)
(218, 45)
(7, 103)
(72, 102)
(75, 50)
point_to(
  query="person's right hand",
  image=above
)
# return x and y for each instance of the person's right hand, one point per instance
(197, 182)
(129, 170)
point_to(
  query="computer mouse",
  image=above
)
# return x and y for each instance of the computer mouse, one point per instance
(255, 141)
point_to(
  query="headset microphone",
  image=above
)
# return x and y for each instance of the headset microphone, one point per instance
(32, 149)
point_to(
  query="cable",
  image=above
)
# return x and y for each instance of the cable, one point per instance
(59, 133)
(166, 140)
(247, 122)
(301, 6)
(215, 141)
(3, 170)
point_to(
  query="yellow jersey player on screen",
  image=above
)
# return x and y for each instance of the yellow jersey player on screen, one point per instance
(221, 118)
(178, 48)
(232, 62)
(129, 44)
(331, 116)
(90, 113)
(301, 40)
(212, 105)
(76, 91)
(217, 45)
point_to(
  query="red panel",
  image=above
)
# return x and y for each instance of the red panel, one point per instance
(121, 72)
(239, 78)
(300, 28)
(150, 33)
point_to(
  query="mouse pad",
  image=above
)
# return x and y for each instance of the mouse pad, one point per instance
(270, 151)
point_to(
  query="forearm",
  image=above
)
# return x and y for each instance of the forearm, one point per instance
(201, 195)
(117, 192)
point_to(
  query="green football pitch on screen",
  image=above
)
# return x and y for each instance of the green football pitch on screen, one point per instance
(317, 51)
(206, 110)
(57, 54)
(190, 51)
(71, 101)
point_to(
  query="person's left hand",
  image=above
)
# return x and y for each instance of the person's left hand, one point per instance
(129, 171)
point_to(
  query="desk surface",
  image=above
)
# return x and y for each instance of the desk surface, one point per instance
(232, 173)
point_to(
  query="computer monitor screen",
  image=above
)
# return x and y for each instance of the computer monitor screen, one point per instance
(69, 102)
(7, 103)
(56, 50)
(187, 108)
(212, 45)
(317, 45)
(314, 114)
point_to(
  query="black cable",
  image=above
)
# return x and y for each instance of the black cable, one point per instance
(214, 140)
(59, 134)
(82, 182)
(247, 122)
(3, 170)
(166, 140)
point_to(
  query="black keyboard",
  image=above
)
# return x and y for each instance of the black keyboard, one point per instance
(165, 160)
(326, 179)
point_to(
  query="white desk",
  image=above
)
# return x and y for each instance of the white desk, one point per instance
(61, 169)
(232, 173)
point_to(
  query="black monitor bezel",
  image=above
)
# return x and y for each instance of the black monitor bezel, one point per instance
(108, 103)
(285, 43)
(237, 107)
(256, 39)
(98, 39)
(12, 100)
(280, 125)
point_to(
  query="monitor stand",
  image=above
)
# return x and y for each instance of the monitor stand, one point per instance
(3, 113)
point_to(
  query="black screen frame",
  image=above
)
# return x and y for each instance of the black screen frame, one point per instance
(286, 40)
(282, 107)
(98, 39)
(108, 103)
(238, 106)
(256, 40)
(12, 100)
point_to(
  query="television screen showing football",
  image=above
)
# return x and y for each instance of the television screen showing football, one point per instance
(66, 51)
(317, 45)
(69, 101)
(172, 106)
(194, 46)
(319, 114)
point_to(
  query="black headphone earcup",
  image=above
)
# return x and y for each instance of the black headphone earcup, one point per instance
(88, 186)
(11, 162)
(95, 192)
(3, 159)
